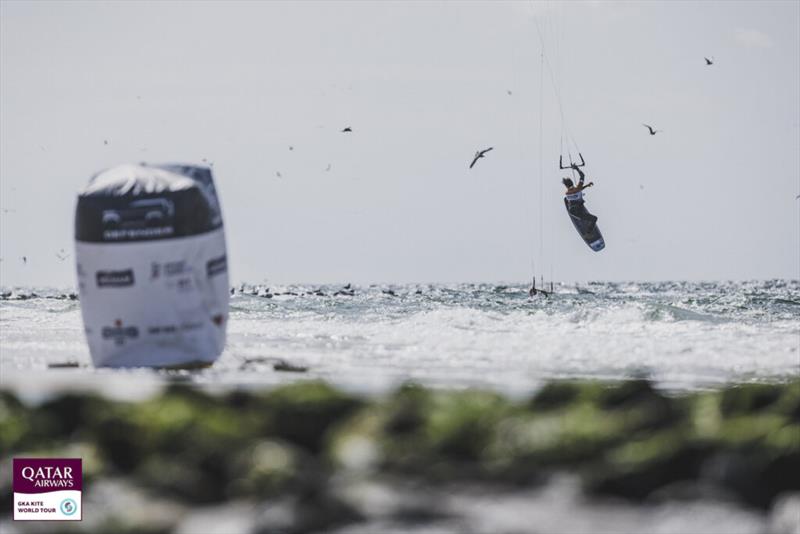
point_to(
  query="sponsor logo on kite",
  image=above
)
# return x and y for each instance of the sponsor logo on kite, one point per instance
(119, 333)
(183, 284)
(172, 328)
(141, 219)
(115, 278)
(147, 211)
(216, 266)
(173, 268)
(140, 233)
(170, 268)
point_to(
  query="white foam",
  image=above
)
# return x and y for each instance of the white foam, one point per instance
(462, 336)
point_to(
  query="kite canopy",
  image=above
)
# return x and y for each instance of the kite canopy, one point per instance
(152, 266)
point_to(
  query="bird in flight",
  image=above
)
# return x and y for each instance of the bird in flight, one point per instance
(478, 155)
(652, 131)
(709, 61)
(348, 129)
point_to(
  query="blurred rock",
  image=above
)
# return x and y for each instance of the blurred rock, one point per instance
(269, 468)
(785, 515)
(287, 367)
(748, 398)
(308, 457)
(234, 517)
(303, 413)
(398, 500)
(310, 512)
(15, 423)
(68, 413)
(555, 395)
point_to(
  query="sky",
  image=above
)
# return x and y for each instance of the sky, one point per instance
(88, 85)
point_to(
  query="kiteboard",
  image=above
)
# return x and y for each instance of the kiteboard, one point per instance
(586, 226)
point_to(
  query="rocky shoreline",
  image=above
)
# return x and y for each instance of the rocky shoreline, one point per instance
(307, 457)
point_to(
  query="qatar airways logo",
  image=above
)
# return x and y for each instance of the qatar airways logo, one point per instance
(47, 489)
(49, 476)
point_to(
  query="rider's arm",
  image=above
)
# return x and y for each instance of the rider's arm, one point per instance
(590, 184)
(580, 174)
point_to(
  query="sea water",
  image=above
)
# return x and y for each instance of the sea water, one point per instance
(682, 335)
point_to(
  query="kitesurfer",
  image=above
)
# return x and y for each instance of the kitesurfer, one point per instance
(574, 196)
(532, 292)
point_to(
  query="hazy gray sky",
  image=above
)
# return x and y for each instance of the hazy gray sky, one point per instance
(423, 85)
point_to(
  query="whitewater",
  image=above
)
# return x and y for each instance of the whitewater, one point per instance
(682, 335)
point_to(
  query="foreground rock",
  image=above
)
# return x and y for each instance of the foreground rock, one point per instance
(306, 457)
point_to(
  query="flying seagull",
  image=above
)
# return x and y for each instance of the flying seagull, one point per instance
(709, 61)
(478, 155)
(652, 131)
(348, 129)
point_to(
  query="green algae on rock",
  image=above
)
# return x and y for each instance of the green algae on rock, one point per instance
(287, 446)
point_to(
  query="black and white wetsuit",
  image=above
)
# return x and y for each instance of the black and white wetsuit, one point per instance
(576, 207)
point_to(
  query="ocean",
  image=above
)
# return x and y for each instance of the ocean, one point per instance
(681, 335)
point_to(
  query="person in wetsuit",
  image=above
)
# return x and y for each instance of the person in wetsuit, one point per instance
(574, 195)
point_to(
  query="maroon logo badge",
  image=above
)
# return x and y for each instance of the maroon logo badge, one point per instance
(47, 489)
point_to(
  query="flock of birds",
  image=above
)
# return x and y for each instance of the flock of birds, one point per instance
(346, 129)
(480, 153)
(62, 255)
